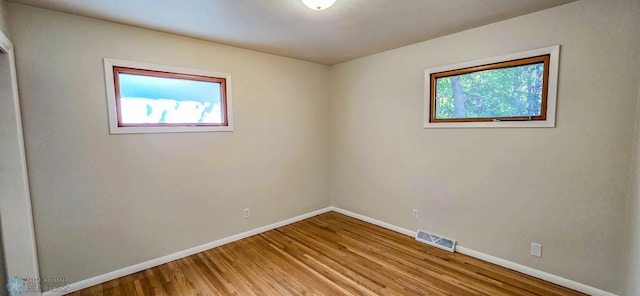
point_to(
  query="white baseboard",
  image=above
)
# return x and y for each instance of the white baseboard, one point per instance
(535, 272)
(375, 222)
(469, 252)
(492, 259)
(171, 257)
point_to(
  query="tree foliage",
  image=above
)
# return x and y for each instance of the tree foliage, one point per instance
(504, 92)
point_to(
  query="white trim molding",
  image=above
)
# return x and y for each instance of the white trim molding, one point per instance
(552, 90)
(16, 217)
(534, 272)
(466, 251)
(491, 259)
(178, 255)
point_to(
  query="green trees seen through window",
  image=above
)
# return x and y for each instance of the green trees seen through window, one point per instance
(514, 90)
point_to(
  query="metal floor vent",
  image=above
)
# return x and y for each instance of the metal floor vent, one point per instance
(436, 240)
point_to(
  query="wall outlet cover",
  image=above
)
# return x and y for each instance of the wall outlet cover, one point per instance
(536, 250)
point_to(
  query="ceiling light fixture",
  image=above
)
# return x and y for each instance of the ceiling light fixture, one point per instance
(318, 4)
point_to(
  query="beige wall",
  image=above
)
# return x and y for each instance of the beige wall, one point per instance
(3, 18)
(102, 202)
(630, 282)
(498, 190)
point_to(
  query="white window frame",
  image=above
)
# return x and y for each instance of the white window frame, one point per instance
(114, 128)
(553, 51)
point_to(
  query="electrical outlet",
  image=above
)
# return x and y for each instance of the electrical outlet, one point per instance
(414, 214)
(246, 212)
(536, 250)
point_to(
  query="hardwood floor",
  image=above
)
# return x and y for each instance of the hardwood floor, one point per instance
(330, 254)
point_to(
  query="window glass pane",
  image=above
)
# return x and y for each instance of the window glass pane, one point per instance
(505, 92)
(153, 100)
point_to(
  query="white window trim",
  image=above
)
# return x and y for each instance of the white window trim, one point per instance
(553, 51)
(111, 99)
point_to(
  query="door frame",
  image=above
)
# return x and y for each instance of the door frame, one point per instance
(16, 217)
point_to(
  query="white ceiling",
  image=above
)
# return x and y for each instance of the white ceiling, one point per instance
(349, 29)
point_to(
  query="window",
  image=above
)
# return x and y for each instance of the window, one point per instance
(146, 98)
(517, 90)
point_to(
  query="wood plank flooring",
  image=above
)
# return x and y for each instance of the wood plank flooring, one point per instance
(330, 254)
